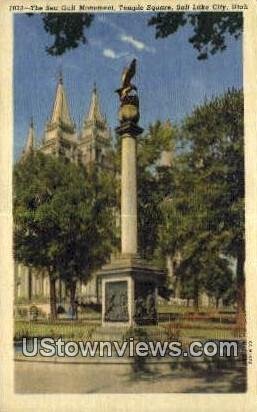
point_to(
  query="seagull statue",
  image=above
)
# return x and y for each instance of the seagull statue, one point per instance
(126, 85)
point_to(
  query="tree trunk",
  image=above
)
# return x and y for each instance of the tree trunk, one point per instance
(72, 297)
(30, 283)
(60, 291)
(240, 296)
(217, 303)
(53, 310)
(196, 293)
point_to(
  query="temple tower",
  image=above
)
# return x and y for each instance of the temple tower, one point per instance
(31, 141)
(95, 138)
(60, 137)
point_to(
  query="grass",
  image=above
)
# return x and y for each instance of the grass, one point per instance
(176, 331)
(207, 323)
(67, 330)
(162, 308)
(79, 330)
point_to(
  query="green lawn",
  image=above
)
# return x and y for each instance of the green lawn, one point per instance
(206, 323)
(83, 330)
(186, 323)
(162, 308)
(59, 329)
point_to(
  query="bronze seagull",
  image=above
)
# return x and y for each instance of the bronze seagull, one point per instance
(126, 85)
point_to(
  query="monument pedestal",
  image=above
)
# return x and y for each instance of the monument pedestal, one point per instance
(129, 291)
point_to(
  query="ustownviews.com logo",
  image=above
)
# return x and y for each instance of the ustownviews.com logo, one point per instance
(49, 347)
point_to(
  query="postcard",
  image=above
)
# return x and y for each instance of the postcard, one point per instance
(128, 205)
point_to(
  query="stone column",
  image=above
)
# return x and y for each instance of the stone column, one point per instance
(128, 196)
(128, 132)
(129, 283)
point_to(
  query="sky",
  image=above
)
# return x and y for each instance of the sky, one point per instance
(170, 79)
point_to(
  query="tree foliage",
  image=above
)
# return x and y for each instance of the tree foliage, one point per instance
(155, 180)
(63, 218)
(195, 206)
(67, 29)
(204, 219)
(210, 29)
(219, 277)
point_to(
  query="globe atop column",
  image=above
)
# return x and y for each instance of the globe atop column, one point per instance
(129, 102)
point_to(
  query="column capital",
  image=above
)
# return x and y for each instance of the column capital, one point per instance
(130, 128)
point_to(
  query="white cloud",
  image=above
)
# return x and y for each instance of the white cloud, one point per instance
(110, 53)
(124, 37)
(139, 45)
(136, 43)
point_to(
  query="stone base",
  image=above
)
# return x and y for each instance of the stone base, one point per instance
(129, 291)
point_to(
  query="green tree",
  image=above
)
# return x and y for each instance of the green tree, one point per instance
(155, 181)
(205, 270)
(219, 278)
(210, 29)
(215, 132)
(67, 30)
(87, 224)
(205, 216)
(62, 219)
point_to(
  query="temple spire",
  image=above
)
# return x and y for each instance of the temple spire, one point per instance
(61, 113)
(94, 114)
(31, 140)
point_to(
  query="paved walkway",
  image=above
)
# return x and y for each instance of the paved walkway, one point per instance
(47, 377)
